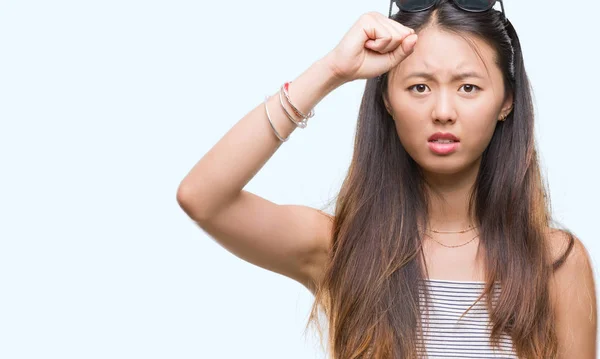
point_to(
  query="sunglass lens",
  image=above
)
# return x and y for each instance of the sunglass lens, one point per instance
(414, 5)
(475, 5)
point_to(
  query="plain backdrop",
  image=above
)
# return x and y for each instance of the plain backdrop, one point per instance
(106, 105)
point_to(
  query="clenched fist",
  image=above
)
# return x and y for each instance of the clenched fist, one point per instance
(372, 46)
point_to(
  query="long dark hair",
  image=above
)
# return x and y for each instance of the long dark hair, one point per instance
(370, 288)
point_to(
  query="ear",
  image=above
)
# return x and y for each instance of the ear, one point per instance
(507, 107)
(388, 107)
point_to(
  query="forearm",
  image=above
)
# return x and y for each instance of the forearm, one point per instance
(221, 174)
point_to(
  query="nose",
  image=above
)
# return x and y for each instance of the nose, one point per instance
(443, 109)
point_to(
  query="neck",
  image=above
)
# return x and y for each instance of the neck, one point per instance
(449, 199)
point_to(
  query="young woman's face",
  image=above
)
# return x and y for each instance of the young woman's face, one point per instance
(428, 95)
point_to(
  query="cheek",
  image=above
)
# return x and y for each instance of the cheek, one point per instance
(412, 124)
(478, 132)
(412, 135)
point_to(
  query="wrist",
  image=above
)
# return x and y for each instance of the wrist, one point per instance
(314, 84)
(329, 74)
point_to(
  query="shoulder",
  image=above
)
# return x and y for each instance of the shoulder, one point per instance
(570, 257)
(560, 245)
(568, 251)
(573, 295)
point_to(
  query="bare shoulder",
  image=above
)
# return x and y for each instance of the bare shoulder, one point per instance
(560, 245)
(573, 294)
(568, 251)
(569, 256)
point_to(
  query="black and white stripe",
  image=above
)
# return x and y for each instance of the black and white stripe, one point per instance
(445, 336)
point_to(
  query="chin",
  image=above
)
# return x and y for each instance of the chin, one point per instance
(444, 165)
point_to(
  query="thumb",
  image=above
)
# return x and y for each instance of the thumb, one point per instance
(406, 47)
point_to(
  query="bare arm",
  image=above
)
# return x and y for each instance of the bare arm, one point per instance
(574, 295)
(225, 169)
(287, 239)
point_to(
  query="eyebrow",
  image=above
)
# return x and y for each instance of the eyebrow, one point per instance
(455, 77)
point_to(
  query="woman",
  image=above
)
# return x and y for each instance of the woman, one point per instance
(442, 226)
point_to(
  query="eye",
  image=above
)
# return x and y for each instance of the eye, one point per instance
(418, 87)
(469, 88)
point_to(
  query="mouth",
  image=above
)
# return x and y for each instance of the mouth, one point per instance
(443, 141)
(443, 147)
(443, 137)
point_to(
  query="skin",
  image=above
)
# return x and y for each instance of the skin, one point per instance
(468, 107)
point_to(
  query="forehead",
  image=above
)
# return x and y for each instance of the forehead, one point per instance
(444, 54)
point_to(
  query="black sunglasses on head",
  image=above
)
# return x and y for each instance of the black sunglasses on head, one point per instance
(466, 5)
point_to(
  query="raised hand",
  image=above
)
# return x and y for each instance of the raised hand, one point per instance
(372, 46)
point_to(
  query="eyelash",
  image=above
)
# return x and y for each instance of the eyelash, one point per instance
(477, 88)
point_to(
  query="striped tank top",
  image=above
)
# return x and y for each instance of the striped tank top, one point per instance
(445, 336)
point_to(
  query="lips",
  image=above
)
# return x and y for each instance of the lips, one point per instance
(443, 137)
(441, 143)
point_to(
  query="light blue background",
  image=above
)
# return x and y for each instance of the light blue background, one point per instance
(106, 105)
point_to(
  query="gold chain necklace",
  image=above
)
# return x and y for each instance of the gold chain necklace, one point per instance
(447, 246)
(463, 231)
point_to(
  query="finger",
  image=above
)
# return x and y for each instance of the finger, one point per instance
(408, 44)
(406, 47)
(379, 36)
(398, 34)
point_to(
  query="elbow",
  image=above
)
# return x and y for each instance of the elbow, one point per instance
(192, 202)
(183, 195)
